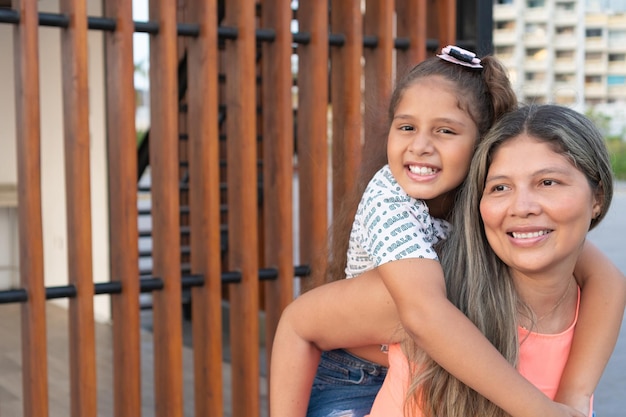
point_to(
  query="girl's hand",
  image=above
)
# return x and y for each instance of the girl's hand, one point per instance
(567, 411)
(580, 403)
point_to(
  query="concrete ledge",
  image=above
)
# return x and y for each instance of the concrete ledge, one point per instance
(8, 195)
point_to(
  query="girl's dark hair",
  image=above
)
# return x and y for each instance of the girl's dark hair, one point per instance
(485, 94)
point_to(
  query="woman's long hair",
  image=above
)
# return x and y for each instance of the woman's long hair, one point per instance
(477, 281)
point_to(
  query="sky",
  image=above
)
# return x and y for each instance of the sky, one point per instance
(141, 44)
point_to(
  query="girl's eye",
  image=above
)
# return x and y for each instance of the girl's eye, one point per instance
(407, 128)
(446, 131)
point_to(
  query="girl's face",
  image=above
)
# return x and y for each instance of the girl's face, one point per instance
(536, 207)
(431, 141)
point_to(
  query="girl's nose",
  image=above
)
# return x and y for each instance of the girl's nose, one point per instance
(421, 144)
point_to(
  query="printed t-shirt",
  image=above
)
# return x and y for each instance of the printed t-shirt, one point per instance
(390, 225)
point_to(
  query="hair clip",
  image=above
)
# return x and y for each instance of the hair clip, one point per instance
(460, 56)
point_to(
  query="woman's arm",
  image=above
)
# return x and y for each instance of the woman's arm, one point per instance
(343, 314)
(601, 311)
(451, 339)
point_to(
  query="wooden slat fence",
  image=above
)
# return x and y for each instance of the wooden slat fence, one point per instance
(310, 124)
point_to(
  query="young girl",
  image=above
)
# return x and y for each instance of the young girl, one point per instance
(400, 215)
(438, 112)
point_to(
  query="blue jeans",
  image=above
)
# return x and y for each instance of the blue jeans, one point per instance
(345, 385)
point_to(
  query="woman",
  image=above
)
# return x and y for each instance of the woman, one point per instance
(541, 179)
(491, 304)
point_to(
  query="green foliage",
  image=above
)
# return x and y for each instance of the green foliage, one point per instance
(140, 136)
(616, 144)
(601, 120)
(617, 151)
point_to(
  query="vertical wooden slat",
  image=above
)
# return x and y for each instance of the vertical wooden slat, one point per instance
(312, 133)
(77, 180)
(204, 185)
(446, 17)
(243, 206)
(346, 71)
(122, 178)
(277, 162)
(167, 314)
(378, 73)
(28, 125)
(411, 23)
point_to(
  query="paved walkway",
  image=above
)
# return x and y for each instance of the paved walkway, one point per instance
(610, 236)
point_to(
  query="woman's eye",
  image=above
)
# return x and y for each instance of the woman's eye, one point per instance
(548, 183)
(406, 128)
(498, 188)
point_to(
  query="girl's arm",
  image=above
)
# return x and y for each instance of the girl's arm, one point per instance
(601, 311)
(360, 311)
(451, 339)
(343, 314)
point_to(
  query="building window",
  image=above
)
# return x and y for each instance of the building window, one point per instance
(593, 79)
(617, 37)
(616, 80)
(593, 56)
(510, 25)
(565, 78)
(536, 3)
(535, 76)
(536, 99)
(504, 1)
(561, 7)
(564, 54)
(504, 51)
(535, 29)
(617, 57)
(565, 30)
(536, 54)
(593, 33)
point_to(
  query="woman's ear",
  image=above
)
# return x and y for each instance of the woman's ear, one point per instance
(598, 201)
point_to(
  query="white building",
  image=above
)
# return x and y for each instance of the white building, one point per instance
(568, 52)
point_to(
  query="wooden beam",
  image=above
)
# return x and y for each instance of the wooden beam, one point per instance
(28, 126)
(123, 213)
(278, 158)
(346, 100)
(78, 203)
(167, 309)
(243, 241)
(312, 134)
(204, 197)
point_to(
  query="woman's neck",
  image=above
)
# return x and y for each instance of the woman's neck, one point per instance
(550, 304)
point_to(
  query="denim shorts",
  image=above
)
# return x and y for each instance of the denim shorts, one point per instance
(345, 385)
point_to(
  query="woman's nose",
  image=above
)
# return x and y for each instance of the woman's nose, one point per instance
(524, 203)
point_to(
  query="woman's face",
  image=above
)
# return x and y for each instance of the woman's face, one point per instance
(431, 141)
(536, 207)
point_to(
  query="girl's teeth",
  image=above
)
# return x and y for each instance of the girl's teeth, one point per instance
(529, 235)
(421, 170)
